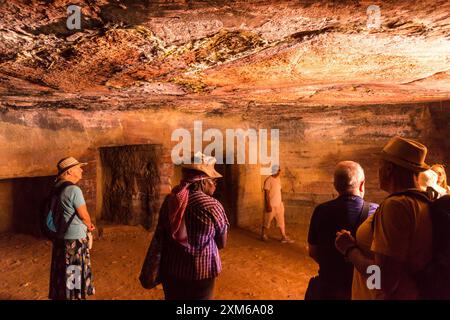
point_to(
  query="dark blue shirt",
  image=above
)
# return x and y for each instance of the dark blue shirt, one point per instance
(328, 218)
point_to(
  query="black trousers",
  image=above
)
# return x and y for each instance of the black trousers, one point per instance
(319, 289)
(177, 289)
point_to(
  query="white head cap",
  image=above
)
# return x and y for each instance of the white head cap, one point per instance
(429, 179)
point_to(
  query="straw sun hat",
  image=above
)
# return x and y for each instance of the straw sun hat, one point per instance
(429, 178)
(67, 163)
(203, 163)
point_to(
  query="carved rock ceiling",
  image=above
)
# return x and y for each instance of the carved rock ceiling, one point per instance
(133, 54)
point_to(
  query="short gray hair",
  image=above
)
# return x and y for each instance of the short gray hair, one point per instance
(347, 176)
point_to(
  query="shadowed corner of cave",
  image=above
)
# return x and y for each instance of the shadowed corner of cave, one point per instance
(227, 190)
(28, 203)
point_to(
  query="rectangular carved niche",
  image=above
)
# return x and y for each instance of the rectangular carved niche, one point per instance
(131, 184)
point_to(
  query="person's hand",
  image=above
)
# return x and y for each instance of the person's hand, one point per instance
(91, 228)
(344, 240)
(268, 208)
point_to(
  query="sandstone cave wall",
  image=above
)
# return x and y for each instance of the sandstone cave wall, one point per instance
(312, 140)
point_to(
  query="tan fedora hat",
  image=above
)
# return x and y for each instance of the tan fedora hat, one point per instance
(203, 163)
(67, 163)
(406, 153)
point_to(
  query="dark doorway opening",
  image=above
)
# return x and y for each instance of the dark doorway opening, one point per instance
(22, 203)
(227, 190)
(130, 185)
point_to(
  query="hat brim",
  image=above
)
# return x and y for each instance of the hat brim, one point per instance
(81, 164)
(215, 174)
(439, 189)
(210, 172)
(405, 164)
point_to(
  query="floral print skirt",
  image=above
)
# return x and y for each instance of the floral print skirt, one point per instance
(71, 274)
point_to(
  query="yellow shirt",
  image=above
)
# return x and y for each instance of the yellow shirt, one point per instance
(364, 237)
(403, 232)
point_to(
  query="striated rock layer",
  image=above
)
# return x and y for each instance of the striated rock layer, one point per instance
(312, 141)
(312, 52)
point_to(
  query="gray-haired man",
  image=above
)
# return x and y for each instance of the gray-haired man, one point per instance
(347, 212)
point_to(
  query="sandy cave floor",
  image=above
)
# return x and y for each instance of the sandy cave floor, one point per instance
(252, 269)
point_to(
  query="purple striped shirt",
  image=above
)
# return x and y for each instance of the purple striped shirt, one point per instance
(205, 220)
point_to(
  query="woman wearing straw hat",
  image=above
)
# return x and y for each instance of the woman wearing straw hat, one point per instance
(428, 181)
(397, 239)
(195, 227)
(71, 276)
(442, 177)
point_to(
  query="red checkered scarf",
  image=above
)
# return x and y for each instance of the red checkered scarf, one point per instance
(177, 202)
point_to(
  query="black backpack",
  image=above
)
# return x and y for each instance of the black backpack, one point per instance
(54, 224)
(434, 280)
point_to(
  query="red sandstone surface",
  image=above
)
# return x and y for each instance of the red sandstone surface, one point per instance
(307, 52)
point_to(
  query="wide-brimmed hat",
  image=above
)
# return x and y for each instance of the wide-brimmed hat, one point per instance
(203, 163)
(428, 179)
(406, 153)
(67, 163)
